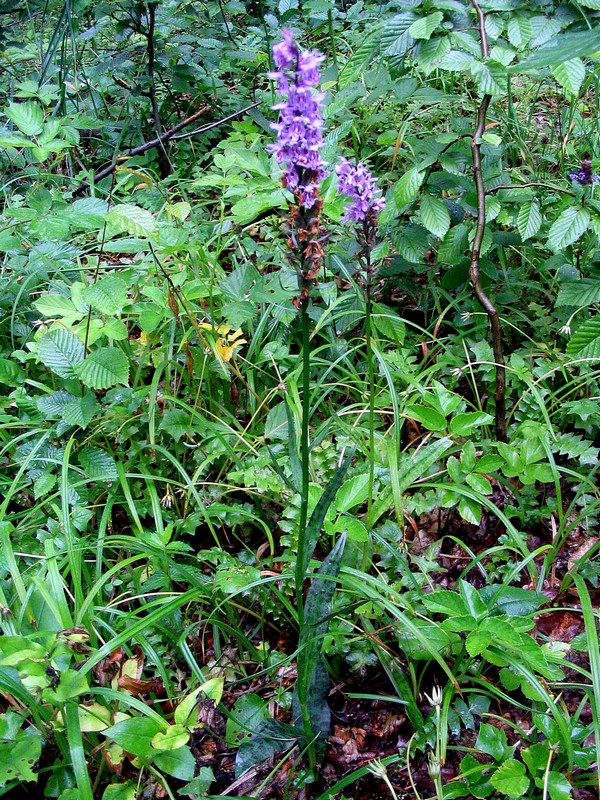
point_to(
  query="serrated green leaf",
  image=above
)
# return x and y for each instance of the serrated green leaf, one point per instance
(584, 292)
(568, 228)
(570, 74)
(492, 740)
(80, 411)
(469, 510)
(477, 641)
(407, 188)
(519, 30)
(456, 61)
(479, 483)
(108, 295)
(28, 117)
(510, 779)
(43, 485)
(14, 140)
(104, 369)
(61, 351)
(561, 48)
(423, 27)
(98, 464)
(489, 76)
(132, 219)
(360, 59)
(529, 219)
(434, 215)
(585, 342)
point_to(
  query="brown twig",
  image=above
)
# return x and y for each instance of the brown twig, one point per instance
(482, 297)
(168, 135)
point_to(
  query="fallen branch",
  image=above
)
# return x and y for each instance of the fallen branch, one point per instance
(160, 140)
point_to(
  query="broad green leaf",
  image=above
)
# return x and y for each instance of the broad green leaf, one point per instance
(352, 493)
(585, 342)
(434, 215)
(529, 219)
(132, 219)
(179, 763)
(561, 48)
(568, 228)
(120, 791)
(570, 74)
(98, 464)
(407, 188)
(464, 424)
(135, 734)
(492, 740)
(248, 712)
(510, 779)
(249, 208)
(57, 305)
(559, 787)
(172, 738)
(479, 483)
(429, 417)
(43, 485)
(14, 140)
(71, 684)
(445, 602)
(61, 351)
(423, 27)
(18, 758)
(108, 295)
(28, 117)
(104, 369)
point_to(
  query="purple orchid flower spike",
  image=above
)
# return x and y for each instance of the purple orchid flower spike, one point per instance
(359, 185)
(300, 126)
(584, 175)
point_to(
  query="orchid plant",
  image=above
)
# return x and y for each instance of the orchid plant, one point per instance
(299, 141)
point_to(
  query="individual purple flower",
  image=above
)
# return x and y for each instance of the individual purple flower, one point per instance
(357, 183)
(300, 126)
(584, 176)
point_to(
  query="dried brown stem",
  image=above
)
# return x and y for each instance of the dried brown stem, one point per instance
(474, 271)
